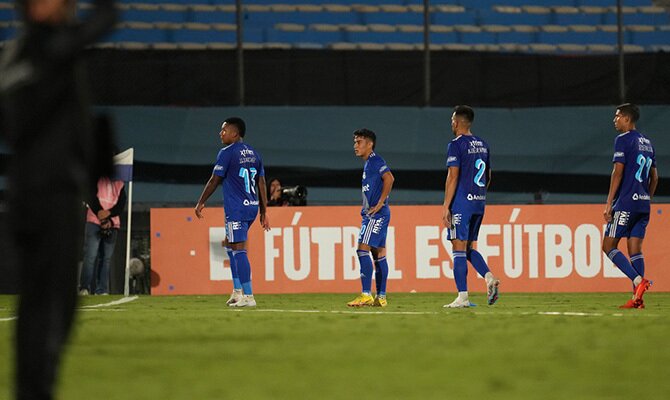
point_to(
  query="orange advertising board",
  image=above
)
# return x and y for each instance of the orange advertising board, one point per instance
(531, 248)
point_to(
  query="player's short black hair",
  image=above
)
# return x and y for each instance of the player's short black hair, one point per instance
(466, 112)
(368, 134)
(238, 123)
(630, 110)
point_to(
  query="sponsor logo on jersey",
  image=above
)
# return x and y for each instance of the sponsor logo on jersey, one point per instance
(247, 202)
(366, 188)
(451, 159)
(218, 167)
(476, 197)
(623, 218)
(383, 168)
(618, 154)
(378, 225)
(641, 196)
(246, 152)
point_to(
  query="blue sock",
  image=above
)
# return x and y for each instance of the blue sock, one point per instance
(637, 260)
(461, 271)
(477, 262)
(622, 263)
(366, 269)
(381, 275)
(233, 269)
(243, 270)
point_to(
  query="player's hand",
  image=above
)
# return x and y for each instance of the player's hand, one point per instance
(198, 210)
(446, 218)
(265, 223)
(608, 213)
(374, 210)
(103, 214)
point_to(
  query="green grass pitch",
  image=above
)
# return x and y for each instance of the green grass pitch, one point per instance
(311, 346)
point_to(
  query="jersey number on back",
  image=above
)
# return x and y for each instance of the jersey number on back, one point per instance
(644, 163)
(249, 175)
(480, 165)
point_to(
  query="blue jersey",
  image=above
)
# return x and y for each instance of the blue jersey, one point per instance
(373, 184)
(240, 166)
(636, 153)
(471, 155)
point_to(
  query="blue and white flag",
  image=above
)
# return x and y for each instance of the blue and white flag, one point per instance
(123, 165)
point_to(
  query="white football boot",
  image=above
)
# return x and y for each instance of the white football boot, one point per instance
(245, 301)
(234, 297)
(458, 303)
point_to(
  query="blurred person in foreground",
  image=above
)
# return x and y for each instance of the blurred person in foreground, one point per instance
(632, 186)
(49, 129)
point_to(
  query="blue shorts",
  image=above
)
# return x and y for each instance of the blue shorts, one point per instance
(627, 224)
(236, 231)
(464, 226)
(373, 231)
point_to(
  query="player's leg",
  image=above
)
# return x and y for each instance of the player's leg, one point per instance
(634, 244)
(381, 275)
(615, 230)
(365, 262)
(458, 235)
(377, 240)
(238, 242)
(237, 285)
(478, 262)
(459, 247)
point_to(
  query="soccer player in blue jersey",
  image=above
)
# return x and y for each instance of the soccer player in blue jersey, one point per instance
(468, 177)
(240, 169)
(376, 187)
(632, 186)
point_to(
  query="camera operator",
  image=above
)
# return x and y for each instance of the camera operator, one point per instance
(102, 228)
(275, 198)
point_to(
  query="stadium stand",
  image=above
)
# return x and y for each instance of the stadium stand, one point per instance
(494, 25)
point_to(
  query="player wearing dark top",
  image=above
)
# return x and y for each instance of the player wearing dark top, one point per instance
(468, 177)
(632, 186)
(376, 186)
(240, 169)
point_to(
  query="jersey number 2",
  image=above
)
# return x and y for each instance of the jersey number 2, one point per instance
(643, 162)
(249, 175)
(481, 167)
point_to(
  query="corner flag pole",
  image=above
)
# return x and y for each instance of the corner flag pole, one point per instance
(126, 285)
(123, 163)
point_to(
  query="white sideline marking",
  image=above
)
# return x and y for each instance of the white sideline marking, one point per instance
(7, 319)
(549, 313)
(113, 303)
(345, 312)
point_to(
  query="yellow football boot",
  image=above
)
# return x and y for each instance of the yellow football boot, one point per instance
(380, 301)
(362, 301)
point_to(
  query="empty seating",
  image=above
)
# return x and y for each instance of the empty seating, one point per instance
(487, 25)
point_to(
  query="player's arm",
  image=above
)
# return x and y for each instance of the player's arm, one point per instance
(210, 187)
(449, 193)
(488, 177)
(262, 203)
(615, 182)
(387, 185)
(653, 181)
